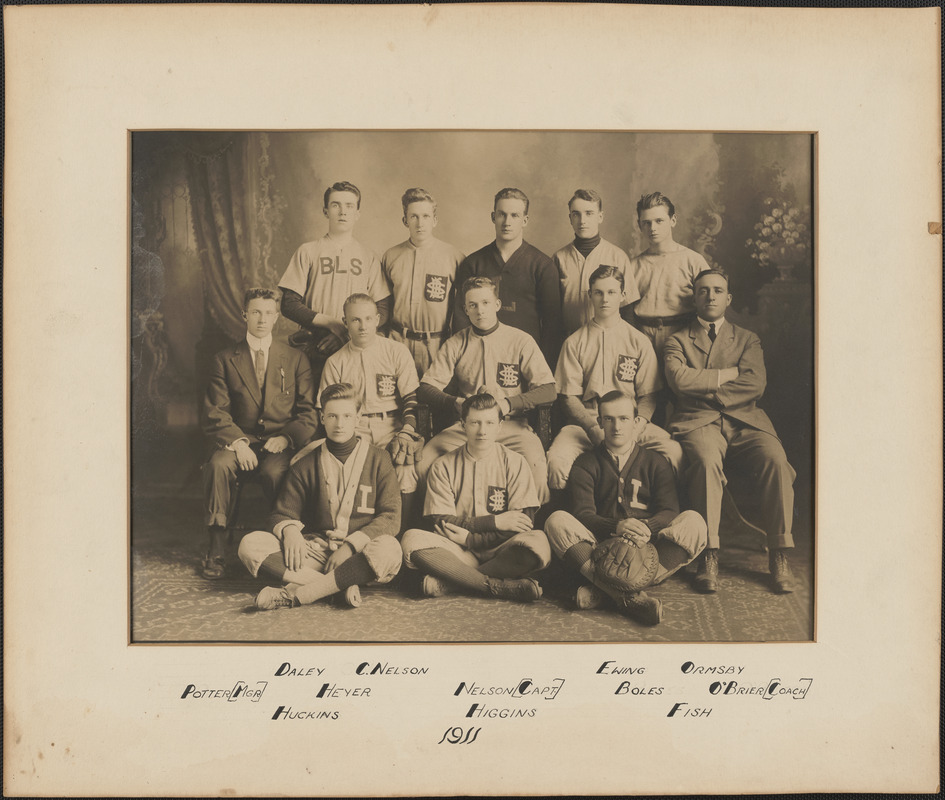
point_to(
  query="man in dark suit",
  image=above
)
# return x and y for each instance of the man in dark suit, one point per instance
(717, 373)
(258, 411)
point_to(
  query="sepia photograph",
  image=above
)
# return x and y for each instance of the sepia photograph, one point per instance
(401, 373)
(604, 261)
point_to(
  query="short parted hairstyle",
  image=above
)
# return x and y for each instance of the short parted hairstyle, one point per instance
(712, 271)
(259, 293)
(606, 271)
(614, 394)
(510, 193)
(479, 282)
(340, 391)
(358, 297)
(343, 186)
(653, 200)
(589, 195)
(479, 402)
(417, 195)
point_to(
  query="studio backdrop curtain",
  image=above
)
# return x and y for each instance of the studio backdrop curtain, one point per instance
(235, 213)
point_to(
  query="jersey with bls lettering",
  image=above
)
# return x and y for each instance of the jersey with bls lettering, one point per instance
(463, 486)
(326, 273)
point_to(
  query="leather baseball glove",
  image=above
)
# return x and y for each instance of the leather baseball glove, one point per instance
(405, 448)
(623, 566)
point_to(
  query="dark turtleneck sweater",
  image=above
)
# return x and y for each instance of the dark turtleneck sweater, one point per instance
(341, 450)
(585, 246)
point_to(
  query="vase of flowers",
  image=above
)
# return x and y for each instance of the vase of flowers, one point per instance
(782, 237)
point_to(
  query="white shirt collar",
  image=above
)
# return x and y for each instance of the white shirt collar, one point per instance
(718, 324)
(622, 456)
(258, 344)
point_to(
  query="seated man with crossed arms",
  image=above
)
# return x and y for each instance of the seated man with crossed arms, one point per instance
(383, 375)
(480, 507)
(605, 355)
(625, 532)
(491, 357)
(717, 371)
(334, 523)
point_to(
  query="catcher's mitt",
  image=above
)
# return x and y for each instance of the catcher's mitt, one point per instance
(405, 448)
(621, 565)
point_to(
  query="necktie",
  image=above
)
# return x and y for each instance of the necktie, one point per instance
(260, 367)
(711, 331)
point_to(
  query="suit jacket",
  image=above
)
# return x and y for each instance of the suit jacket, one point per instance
(235, 407)
(692, 371)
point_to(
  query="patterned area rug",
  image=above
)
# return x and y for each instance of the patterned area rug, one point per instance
(172, 603)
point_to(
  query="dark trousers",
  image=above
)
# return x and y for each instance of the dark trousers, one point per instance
(219, 479)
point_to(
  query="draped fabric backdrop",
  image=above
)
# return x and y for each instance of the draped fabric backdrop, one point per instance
(234, 214)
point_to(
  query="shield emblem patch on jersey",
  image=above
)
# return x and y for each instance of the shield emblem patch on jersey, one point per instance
(386, 385)
(434, 288)
(497, 500)
(627, 368)
(508, 375)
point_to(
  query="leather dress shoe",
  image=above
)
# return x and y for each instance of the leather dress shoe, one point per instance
(781, 576)
(707, 578)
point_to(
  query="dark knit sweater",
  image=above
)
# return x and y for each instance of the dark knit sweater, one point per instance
(645, 489)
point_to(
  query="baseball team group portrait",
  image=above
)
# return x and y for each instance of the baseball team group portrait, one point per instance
(472, 386)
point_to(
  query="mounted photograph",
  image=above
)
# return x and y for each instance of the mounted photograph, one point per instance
(472, 386)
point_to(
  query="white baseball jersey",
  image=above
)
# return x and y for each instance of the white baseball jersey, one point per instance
(665, 281)
(595, 360)
(574, 271)
(505, 363)
(382, 373)
(326, 273)
(460, 485)
(421, 281)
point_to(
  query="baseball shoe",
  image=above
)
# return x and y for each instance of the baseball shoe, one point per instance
(435, 587)
(272, 597)
(521, 590)
(707, 578)
(781, 575)
(587, 597)
(212, 568)
(353, 596)
(641, 607)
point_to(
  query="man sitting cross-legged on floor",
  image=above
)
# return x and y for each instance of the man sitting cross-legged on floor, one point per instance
(334, 523)
(480, 505)
(626, 532)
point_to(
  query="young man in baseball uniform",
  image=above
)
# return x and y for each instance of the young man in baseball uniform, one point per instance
(526, 278)
(489, 356)
(420, 273)
(621, 490)
(663, 273)
(717, 373)
(577, 260)
(334, 523)
(324, 273)
(384, 378)
(605, 355)
(258, 411)
(480, 509)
